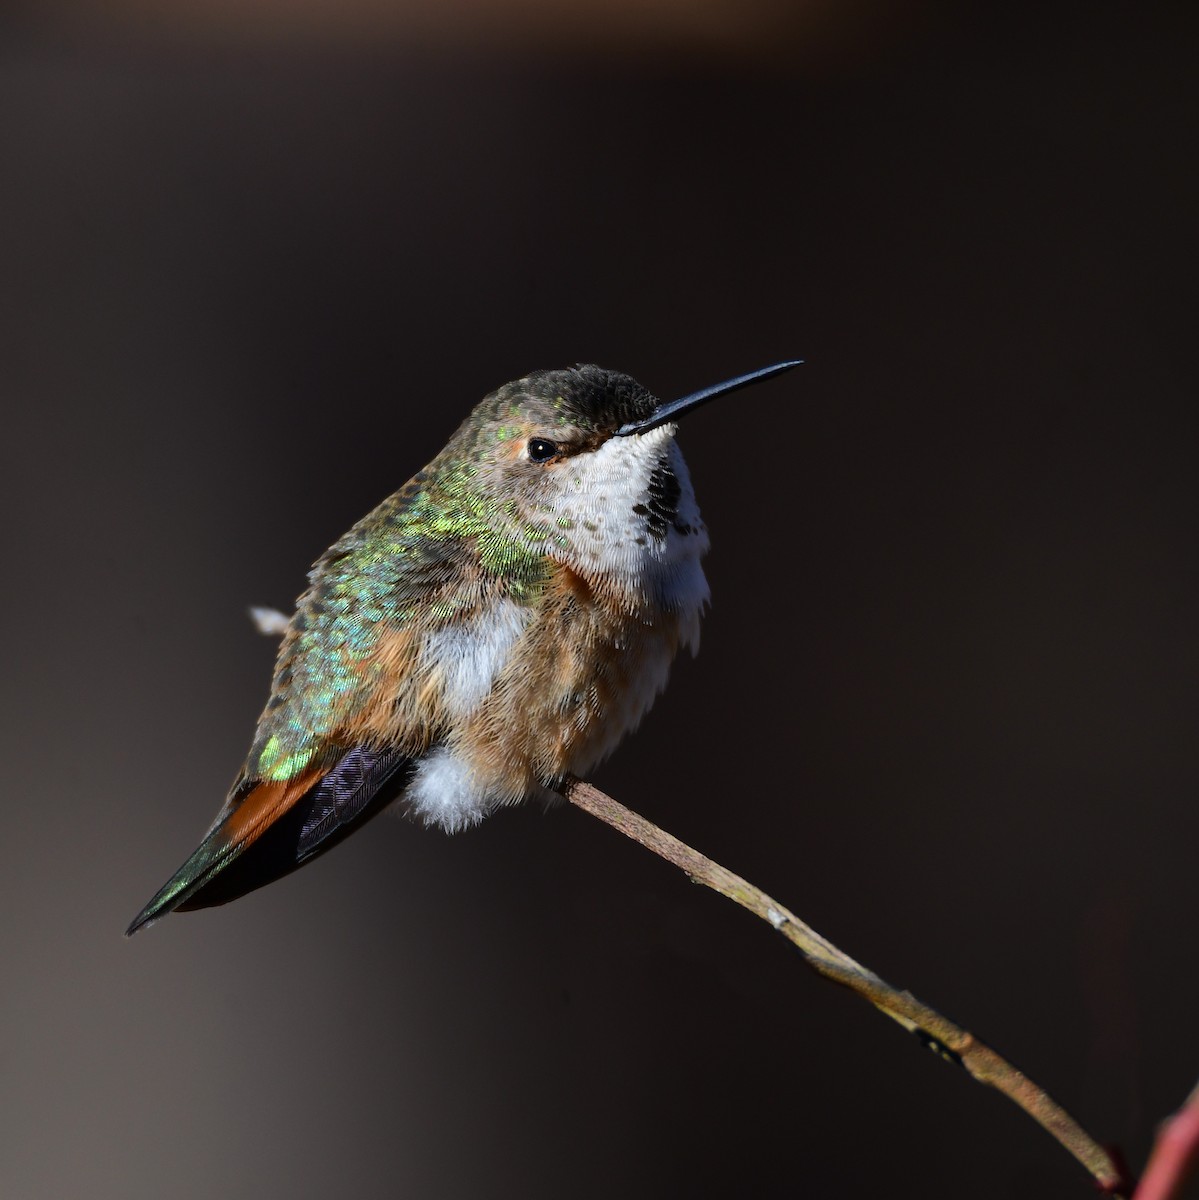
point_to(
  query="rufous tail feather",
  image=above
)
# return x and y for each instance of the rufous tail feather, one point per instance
(270, 828)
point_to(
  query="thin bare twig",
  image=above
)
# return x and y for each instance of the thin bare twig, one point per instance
(948, 1040)
(1175, 1154)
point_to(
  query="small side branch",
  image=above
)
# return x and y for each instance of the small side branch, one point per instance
(1175, 1154)
(941, 1035)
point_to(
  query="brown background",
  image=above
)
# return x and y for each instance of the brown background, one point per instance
(256, 261)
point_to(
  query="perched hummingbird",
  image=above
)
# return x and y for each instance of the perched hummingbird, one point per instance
(495, 626)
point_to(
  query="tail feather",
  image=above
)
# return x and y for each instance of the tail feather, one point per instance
(268, 829)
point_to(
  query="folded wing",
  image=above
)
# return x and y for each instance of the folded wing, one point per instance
(270, 827)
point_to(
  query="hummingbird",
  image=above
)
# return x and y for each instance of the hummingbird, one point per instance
(491, 629)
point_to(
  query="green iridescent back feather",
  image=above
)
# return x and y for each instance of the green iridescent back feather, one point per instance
(404, 562)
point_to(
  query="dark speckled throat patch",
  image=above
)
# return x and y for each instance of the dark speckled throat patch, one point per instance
(663, 503)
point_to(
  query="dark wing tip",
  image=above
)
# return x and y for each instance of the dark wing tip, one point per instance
(208, 858)
(143, 919)
(251, 809)
(311, 815)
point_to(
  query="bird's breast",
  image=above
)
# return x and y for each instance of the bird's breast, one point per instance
(528, 692)
(581, 674)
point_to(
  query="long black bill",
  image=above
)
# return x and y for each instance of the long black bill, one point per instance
(675, 408)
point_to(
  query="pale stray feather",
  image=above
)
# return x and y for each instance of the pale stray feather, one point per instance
(269, 621)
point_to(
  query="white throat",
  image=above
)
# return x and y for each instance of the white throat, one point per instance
(629, 514)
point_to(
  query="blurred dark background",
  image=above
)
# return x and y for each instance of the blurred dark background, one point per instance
(258, 260)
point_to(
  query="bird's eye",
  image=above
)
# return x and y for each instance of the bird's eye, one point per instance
(541, 449)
